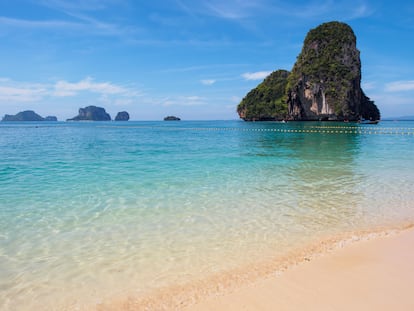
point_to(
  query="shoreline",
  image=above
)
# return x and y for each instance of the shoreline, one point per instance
(375, 273)
(254, 287)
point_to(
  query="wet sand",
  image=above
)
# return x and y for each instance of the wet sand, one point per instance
(370, 274)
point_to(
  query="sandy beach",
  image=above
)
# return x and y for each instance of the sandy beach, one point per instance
(371, 274)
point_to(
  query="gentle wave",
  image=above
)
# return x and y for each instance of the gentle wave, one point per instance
(91, 213)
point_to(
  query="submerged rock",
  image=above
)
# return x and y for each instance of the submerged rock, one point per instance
(91, 113)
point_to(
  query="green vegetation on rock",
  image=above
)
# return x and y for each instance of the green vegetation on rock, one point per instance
(324, 84)
(267, 101)
(329, 62)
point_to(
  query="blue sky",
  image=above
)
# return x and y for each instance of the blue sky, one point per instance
(192, 58)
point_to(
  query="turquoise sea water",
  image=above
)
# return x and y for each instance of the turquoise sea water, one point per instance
(91, 212)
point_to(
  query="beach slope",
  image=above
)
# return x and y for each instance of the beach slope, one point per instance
(375, 274)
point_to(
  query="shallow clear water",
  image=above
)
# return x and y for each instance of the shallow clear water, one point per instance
(90, 211)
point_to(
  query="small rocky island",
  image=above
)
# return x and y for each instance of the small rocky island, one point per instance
(27, 115)
(324, 84)
(171, 118)
(91, 113)
(122, 116)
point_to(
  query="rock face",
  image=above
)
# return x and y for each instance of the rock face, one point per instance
(267, 101)
(28, 115)
(171, 118)
(324, 84)
(122, 116)
(91, 113)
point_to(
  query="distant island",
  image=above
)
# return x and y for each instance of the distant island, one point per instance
(324, 84)
(91, 113)
(171, 118)
(27, 115)
(122, 116)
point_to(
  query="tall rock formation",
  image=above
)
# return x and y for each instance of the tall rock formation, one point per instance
(325, 82)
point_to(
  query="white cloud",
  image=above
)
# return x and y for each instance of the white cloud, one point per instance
(230, 9)
(64, 88)
(50, 24)
(124, 101)
(83, 25)
(208, 81)
(368, 86)
(12, 92)
(80, 5)
(184, 101)
(242, 10)
(235, 99)
(194, 98)
(259, 75)
(361, 11)
(399, 86)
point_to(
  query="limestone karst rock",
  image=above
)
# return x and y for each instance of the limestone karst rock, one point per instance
(122, 116)
(27, 115)
(267, 101)
(91, 113)
(324, 83)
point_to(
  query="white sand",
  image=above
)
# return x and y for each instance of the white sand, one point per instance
(377, 274)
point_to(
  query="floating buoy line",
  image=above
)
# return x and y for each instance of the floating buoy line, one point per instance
(362, 130)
